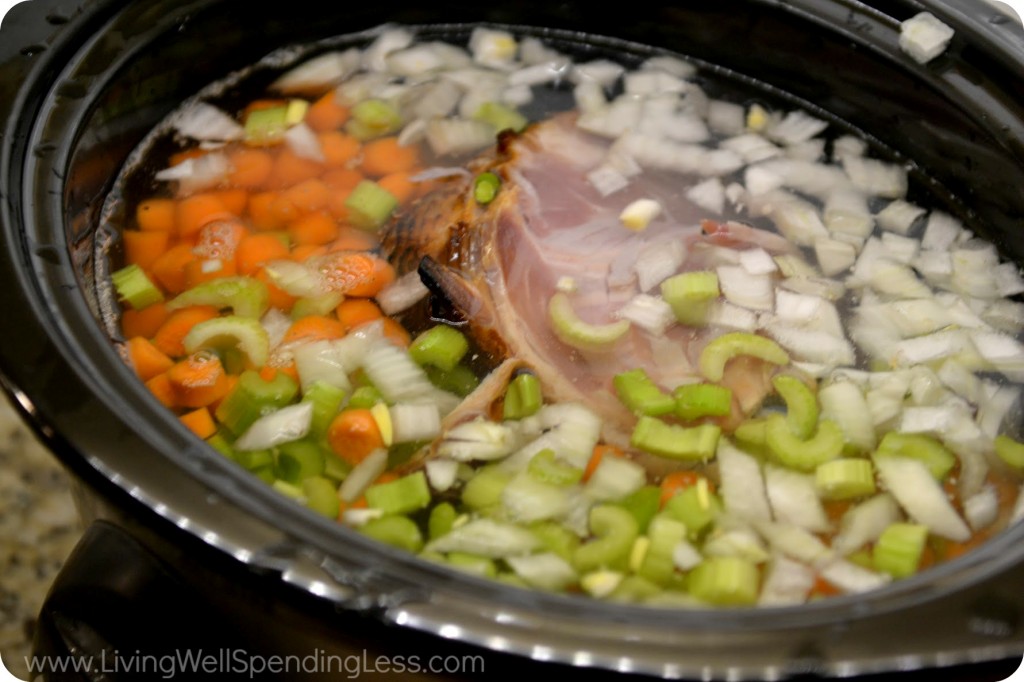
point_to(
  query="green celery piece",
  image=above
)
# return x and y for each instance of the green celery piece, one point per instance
(472, 564)
(501, 117)
(556, 538)
(721, 350)
(486, 187)
(695, 443)
(801, 405)
(899, 548)
(641, 395)
(364, 397)
(327, 401)
(547, 468)
(634, 590)
(230, 333)
(725, 581)
(222, 445)
(939, 460)
(317, 306)
(440, 346)
(485, 488)
(574, 332)
(266, 126)
(523, 398)
(370, 205)
(255, 459)
(615, 530)
(298, 460)
(265, 474)
(843, 479)
(691, 295)
(402, 496)
(803, 455)
(335, 468)
(400, 453)
(696, 507)
(752, 434)
(289, 490)
(245, 296)
(665, 533)
(460, 380)
(321, 496)
(694, 401)
(1010, 451)
(397, 531)
(372, 118)
(442, 519)
(252, 396)
(643, 504)
(134, 287)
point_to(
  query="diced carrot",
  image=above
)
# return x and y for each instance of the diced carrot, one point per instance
(207, 269)
(675, 482)
(600, 452)
(314, 328)
(303, 252)
(342, 179)
(336, 205)
(291, 169)
(198, 380)
(170, 337)
(144, 248)
(252, 167)
(232, 381)
(353, 435)
(400, 185)
(396, 333)
(291, 370)
(144, 322)
(156, 215)
(385, 156)
(351, 239)
(357, 273)
(219, 239)
(284, 210)
(355, 312)
(185, 155)
(309, 195)
(256, 250)
(234, 200)
(169, 269)
(147, 359)
(338, 148)
(316, 228)
(261, 213)
(198, 210)
(268, 373)
(279, 298)
(160, 386)
(327, 113)
(200, 422)
(824, 588)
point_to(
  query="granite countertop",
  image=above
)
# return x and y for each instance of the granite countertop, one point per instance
(38, 528)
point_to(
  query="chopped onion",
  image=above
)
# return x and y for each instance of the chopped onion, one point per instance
(441, 474)
(198, 173)
(741, 288)
(797, 126)
(797, 220)
(534, 51)
(926, 349)
(924, 37)
(546, 571)
(708, 194)
(425, 58)
(614, 479)
(921, 496)
(982, 509)
(850, 577)
(402, 294)
(650, 313)
(899, 216)
(738, 542)
(436, 99)
(834, 256)
(479, 440)
(602, 72)
(492, 48)
(486, 538)
(796, 543)
(895, 279)
(283, 426)
(363, 475)
(320, 73)
(757, 262)
(670, 65)
(652, 82)
(846, 211)
(794, 499)
(205, 122)
(526, 499)
(812, 345)
(809, 312)
(941, 231)
(729, 316)
(658, 261)
(726, 118)
(320, 361)
(538, 74)
(786, 583)
(303, 141)
(865, 523)
(876, 178)
(375, 56)
(848, 145)
(294, 278)
(751, 147)
(685, 556)
(450, 136)
(743, 486)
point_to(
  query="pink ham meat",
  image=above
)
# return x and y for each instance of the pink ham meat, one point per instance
(500, 264)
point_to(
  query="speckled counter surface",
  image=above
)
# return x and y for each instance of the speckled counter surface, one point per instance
(38, 529)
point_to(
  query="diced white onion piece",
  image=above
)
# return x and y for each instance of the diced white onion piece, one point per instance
(603, 72)
(670, 65)
(715, 162)
(319, 73)
(304, 143)
(685, 556)
(708, 194)
(834, 256)
(813, 345)
(402, 294)
(607, 180)
(533, 51)
(941, 231)
(517, 96)
(876, 178)
(850, 577)
(283, 426)
(729, 316)
(438, 98)
(1018, 508)
(537, 74)
(960, 381)
(575, 430)
(526, 499)
(395, 374)
(933, 420)
(921, 496)
(926, 349)
(1007, 316)
(320, 361)
(786, 583)
(899, 216)
(915, 317)
(982, 509)
(658, 261)
(960, 312)
(817, 179)
(357, 518)
(650, 313)
(935, 266)
(846, 211)
(797, 220)
(390, 40)
(844, 403)
(924, 37)
(751, 147)
(794, 499)
(276, 324)
(809, 312)
(589, 98)
(614, 479)
(726, 118)
(441, 473)
(411, 134)
(412, 423)
(198, 173)
(736, 542)
(896, 279)
(1001, 351)
(757, 261)
(1008, 280)
(743, 486)
(995, 406)
(865, 523)
(294, 278)
(427, 57)
(205, 122)
(743, 289)
(601, 583)
(451, 136)
(848, 145)
(809, 150)
(492, 48)
(479, 440)
(797, 126)
(486, 538)
(822, 287)
(796, 543)
(899, 248)
(546, 571)
(639, 214)
(652, 82)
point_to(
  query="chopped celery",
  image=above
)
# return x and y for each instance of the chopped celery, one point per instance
(327, 401)
(579, 334)
(134, 286)
(298, 460)
(939, 460)
(471, 563)
(614, 529)
(691, 295)
(801, 405)
(725, 581)
(440, 346)
(842, 479)
(321, 496)
(720, 351)
(634, 589)
(643, 504)
(899, 548)
(402, 496)
(693, 401)
(485, 488)
(317, 306)
(460, 380)
(547, 468)
(803, 455)
(556, 538)
(223, 334)
(641, 395)
(246, 296)
(523, 397)
(752, 434)
(665, 534)
(501, 117)
(486, 187)
(397, 531)
(265, 474)
(696, 507)
(364, 397)
(266, 126)
(255, 459)
(252, 396)
(400, 453)
(442, 519)
(336, 468)
(370, 205)
(677, 442)
(222, 445)
(289, 490)
(1010, 451)
(373, 118)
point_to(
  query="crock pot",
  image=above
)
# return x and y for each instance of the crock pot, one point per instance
(185, 551)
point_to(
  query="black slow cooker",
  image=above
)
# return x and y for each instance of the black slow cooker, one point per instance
(187, 556)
